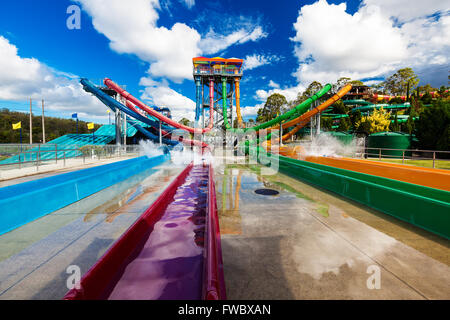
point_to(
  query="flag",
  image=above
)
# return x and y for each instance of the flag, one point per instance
(75, 115)
(17, 125)
(90, 125)
(108, 111)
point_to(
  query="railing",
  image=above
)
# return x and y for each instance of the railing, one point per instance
(25, 156)
(405, 155)
(217, 71)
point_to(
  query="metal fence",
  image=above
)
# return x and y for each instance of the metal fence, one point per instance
(405, 155)
(16, 156)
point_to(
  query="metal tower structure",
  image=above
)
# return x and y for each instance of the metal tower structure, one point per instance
(211, 75)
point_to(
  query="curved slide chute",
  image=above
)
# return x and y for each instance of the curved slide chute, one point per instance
(113, 105)
(301, 121)
(133, 113)
(113, 86)
(276, 120)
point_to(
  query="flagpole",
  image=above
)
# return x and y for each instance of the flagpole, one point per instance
(77, 124)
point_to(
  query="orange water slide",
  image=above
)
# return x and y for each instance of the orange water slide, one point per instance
(301, 121)
(433, 178)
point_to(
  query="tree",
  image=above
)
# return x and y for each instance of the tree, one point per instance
(326, 123)
(355, 117)
(342, 81)
(310, 90)
(402, 82)
(378, 121)
(356, 83)
(433, 127)
(394, 126)
(184, 122)
(272, 107)
(340, 108)
(344, 124)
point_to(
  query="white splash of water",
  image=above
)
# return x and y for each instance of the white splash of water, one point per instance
(325, 145)
(182, 156)
(150, 149)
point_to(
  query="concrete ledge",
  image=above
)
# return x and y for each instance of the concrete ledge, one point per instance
(25, 202)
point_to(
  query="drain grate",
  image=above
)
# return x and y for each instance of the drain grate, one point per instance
(267, 192)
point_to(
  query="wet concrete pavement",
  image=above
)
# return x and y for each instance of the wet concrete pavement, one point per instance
(305, 243)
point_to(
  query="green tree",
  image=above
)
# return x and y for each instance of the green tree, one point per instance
(433, 127)
(184, 122)
(342, 81)
(344, 124)
(355, 117)
(378, 121)
(326, 123)
(356, 83)
(272, 107)
(402, 82)
(310, 90)
(340, 108)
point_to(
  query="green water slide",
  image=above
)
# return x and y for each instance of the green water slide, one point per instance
(296, 111)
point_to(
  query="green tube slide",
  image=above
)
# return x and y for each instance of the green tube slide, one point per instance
(301, 108)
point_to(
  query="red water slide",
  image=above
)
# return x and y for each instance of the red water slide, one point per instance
(179, 138)
(172, 252)
(110, 84)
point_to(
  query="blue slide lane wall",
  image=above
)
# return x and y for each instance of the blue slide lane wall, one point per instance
(25, 202)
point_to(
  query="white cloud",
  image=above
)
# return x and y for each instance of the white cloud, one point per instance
(188, 3)
(168, 51)
(23, 78)
(273, 84)
(159, 93)
(378, 39)
(251, 111)
(213, 42)
(290, 93)
(257, 60)
(405, 10)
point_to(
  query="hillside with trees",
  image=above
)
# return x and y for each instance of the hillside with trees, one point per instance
(54, 127)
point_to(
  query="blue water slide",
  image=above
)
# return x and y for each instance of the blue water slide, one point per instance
(114, 104)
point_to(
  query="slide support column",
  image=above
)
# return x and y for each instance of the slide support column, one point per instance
(224, 103)
(238, 100)
(211, 96)
(199, 101)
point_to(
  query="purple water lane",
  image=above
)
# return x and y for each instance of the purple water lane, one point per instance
(169, 265)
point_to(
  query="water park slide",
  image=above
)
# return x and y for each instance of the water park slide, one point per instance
(298, 109)
(172, 252)
(302, 120)
(130, 110)
(114, 104)
(433, 178)
(110, 84)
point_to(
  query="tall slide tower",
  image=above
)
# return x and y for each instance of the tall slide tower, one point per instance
(211, 75)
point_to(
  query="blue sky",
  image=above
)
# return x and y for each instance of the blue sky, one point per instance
(147, 46)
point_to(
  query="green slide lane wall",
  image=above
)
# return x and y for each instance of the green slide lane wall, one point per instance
(425, 207)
